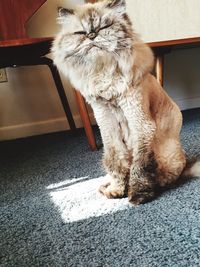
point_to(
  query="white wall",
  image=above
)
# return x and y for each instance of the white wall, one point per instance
(160, 20)
(29, 101)
(182, 77)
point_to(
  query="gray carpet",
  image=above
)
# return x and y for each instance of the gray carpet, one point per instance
(52, 215)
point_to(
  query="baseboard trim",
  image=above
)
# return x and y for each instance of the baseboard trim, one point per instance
(61, 124)
(188, 103)
(40, 127)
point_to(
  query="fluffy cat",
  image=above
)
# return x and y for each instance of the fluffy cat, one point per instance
(140, 124)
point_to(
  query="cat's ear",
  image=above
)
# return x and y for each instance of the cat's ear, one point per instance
(118, 5)
(63, 14)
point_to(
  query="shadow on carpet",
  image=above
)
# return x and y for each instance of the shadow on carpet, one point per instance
(51, 213)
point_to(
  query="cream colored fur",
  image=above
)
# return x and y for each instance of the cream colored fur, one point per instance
(139, 123)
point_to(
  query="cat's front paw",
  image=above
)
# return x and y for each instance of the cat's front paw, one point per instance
(111, 191)
(140, 194)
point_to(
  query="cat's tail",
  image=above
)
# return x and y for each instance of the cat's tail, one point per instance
(192, 170)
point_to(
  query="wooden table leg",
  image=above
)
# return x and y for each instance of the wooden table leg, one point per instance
(159, 68)
(62, 94)
(86, 120)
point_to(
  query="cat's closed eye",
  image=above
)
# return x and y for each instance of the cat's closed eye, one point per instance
(106, 26)
(81, 32)
(102, 28)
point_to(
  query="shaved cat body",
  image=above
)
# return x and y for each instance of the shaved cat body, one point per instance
(98, 50)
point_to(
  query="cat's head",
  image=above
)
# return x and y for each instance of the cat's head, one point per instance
(95, 29)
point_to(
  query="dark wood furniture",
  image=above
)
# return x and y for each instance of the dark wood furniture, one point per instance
(16, 49)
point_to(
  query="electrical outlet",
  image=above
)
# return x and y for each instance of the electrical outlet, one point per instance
(3, 76)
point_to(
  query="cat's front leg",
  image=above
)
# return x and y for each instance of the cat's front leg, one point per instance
(116, 163)
(141, 186)
(115, 157)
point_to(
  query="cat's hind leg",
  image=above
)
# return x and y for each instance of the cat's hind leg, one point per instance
(171, 161)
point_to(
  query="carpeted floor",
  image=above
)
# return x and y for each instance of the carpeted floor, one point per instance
(52, 215)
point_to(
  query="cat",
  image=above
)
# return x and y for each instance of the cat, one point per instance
(99, 51)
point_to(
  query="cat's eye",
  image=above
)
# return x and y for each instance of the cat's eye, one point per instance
(80, 32)
(106, 26)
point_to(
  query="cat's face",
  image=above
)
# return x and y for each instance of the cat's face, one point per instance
(95, 29)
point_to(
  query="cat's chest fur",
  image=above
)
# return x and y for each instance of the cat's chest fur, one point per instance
(101, 79)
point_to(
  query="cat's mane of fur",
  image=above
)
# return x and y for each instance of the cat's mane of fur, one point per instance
(134, 62)
(139, 122)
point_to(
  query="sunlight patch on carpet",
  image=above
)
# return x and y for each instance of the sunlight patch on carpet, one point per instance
(79, 199)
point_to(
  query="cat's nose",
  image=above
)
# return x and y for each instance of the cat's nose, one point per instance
(92, 35)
